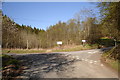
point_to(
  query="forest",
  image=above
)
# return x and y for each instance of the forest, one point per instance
(71, 32)
(102, 30)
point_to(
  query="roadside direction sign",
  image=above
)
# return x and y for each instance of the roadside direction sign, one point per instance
(83, 40)
(59, 42)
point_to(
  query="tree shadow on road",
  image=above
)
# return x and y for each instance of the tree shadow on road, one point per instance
(37, 64)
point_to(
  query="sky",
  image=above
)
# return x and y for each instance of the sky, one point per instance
(44, 14)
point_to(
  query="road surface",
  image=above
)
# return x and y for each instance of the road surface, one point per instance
(77, 64)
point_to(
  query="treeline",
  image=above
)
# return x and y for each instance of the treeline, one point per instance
(70, 32)
(110, 26)
(110, 19)
(17, 36)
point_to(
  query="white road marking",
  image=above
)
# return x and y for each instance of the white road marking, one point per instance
(101, 65)
(66, 55)
(95, 61)
(82, 59)
(78, 58)
(89, 52)
(94, 51)
(86, 59)
(91, 62)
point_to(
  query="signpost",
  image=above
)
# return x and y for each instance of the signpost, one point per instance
(59, 42)
(83, 42)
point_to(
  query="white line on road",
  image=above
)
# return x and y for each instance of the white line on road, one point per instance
(95, 61)
(86, 59)
(91, 62)
(101, 65)
(89, 52)
(83, 59)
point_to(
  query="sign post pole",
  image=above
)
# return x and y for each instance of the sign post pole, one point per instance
(83, 42)
(59, 43)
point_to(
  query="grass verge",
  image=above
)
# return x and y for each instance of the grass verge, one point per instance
(111, 60)
(22, 51)
(76, 48)
(60, 49)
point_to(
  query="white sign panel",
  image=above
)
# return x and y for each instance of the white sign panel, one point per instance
(83, 40)
(59, 42)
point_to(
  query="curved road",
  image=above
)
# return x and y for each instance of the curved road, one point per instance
(77, 64)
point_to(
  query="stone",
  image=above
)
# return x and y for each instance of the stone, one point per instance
(35, 72)
(10, 66)
(24, 67)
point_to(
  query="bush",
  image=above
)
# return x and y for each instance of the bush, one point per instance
(106, 42)
(114, 53)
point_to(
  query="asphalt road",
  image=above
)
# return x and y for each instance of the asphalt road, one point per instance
(77, 64)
